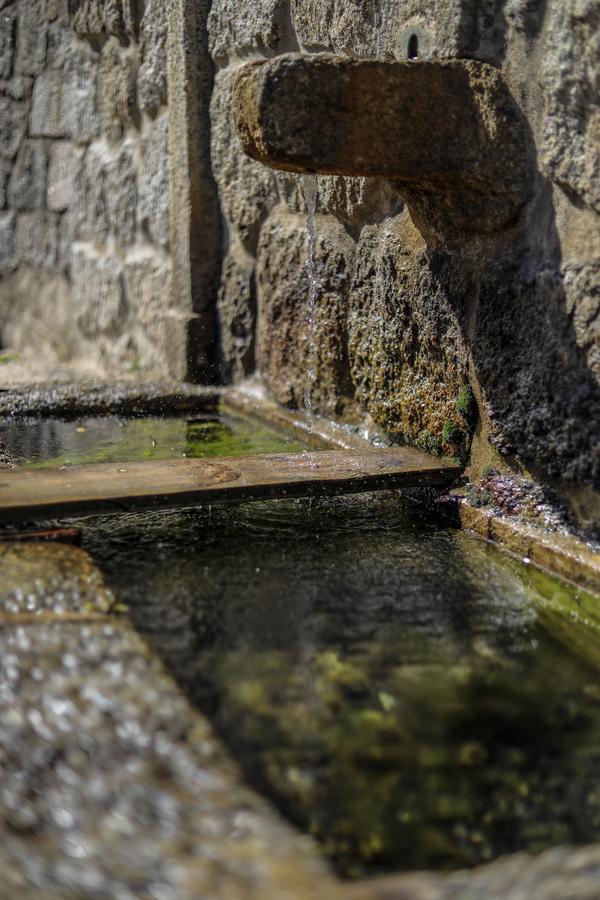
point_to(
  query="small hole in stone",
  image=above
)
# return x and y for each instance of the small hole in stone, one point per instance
(413, 47)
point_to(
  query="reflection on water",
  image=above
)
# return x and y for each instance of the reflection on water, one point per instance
(53, 442)
(405, 693)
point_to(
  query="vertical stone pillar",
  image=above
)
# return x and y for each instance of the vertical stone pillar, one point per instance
(195, 216)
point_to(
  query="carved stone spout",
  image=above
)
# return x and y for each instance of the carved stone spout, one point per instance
(447, 134)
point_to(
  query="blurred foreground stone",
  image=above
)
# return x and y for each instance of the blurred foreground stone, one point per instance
(114, 787)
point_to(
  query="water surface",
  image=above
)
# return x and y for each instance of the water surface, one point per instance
(407, 694)
(51, 442)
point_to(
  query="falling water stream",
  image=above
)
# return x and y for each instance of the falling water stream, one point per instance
(311, 189)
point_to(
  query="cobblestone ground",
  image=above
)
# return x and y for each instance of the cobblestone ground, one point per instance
(114, 787)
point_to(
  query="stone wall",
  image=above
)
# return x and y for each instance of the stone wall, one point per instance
(85, 219)
(410, 327)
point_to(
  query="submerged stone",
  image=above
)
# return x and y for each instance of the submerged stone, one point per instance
(53, 578)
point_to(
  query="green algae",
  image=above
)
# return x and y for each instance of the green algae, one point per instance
(37, 443)
(406, 694)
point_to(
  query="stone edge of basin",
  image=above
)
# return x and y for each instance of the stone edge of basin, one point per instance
(74, 400)
(447, 134)
(565, 556)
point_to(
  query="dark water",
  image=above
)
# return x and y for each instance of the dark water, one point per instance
(405, 693)
(39, 442)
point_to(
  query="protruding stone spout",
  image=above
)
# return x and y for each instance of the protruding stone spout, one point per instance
(447, 134)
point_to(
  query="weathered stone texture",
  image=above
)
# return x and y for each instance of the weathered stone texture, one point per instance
(48, 577)
(162, 333)
(64, 171)
(95, 17)
(120, 192)
(246, 188)
(36, 315)
(236, 309)
(79, 99)
(37, 239)
(153, 183)
(102, 753)
(582, 298)
(13, 125)
(283, 341)
(406, 351)
(27, 186)
(98, 297)
(152, 75)
(31, 37)
(7, 242)
(418, 126)
(542, 394)
(234, 27)
(116, 94)
(5, 170)
(7, 43)
(46, 108)
(65, 100)
(346, 26)
(570, 80)
(108, 195)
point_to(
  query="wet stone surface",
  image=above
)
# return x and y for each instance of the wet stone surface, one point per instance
(55, 578)
(113, 787)
(100, 398)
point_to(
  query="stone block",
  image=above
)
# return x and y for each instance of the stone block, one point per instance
(7, 242)
(236, 311)
(31, 37)
(90, 18)
(357, 201)
(13, 125)
(37, 316)
(235, 26)
(92, 205)
(247, 189)
(60, 38)
(98, 297)
(569, 79)
(65, 102)
(37, 239)
(64, 173)
(418, 126)
(5, 170)
(407, 356)
(152, 74)
(67, 234)
(46, 107)
(7, 43)
(115, 93)
(27, 186)
(283, 341)
(50, 577)
(161, 330)
(355, 27)
(120, 192)
(582, 298)
(153, 188)
(79, 97)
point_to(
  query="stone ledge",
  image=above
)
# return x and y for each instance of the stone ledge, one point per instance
(562, 555)
(115, 785)
(48, 579)
(104, 399)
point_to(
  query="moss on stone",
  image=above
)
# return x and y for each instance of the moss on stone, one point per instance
(466, 405)
(452, 433)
